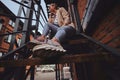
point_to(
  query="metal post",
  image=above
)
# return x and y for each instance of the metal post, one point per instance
(58, 72)
(27, 24)
(74, 15)
(20, 71)
(15, 28)
(37, 22)
(8, 71)
(32, 73)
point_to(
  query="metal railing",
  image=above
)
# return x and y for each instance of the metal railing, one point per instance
(26, 29)
(26, 32)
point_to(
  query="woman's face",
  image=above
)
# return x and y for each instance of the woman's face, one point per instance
(52, 8)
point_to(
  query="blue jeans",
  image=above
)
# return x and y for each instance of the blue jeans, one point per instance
(60, 33)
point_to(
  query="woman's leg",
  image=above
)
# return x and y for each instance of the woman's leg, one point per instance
(63, 33)
(46, 29)
(49, 26)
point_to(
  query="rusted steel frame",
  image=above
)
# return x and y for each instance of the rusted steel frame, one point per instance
(63, 59)
(23, 11)
(56, 71)
(16, 17)
(15, 29)
(38, 11)
(107, 48)
(37, 17)
(1, 35)
(77, 18)
(13, 51)
(33, 10)
(37, 22)
(43, 12)
(27, 24)
(32, 73)
(27, 73)
(23, 5)
(40, 7)
(69, 10)
(20, 73)
(43, 18)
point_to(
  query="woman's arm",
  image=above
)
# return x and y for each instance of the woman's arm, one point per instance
(65, 16)
(51, 18)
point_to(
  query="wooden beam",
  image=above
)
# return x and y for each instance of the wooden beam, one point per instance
(61, 59)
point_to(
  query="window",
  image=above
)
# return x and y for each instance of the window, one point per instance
(0, 26)
(1, 23)
(18, 41)
(1, 54)
(11, 23)
(8, 38)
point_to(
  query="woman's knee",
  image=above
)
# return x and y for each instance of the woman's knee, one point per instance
(49, 24)
(60, 35)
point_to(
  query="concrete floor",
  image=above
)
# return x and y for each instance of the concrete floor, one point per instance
(44, 76)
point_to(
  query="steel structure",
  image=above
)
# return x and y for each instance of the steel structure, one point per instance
(16, 68)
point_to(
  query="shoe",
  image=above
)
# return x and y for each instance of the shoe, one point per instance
(33, 43)
(56, 45)
(48, 49)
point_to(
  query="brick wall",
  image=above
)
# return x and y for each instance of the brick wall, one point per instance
(81, 7)
(108, 31)
(4, 46)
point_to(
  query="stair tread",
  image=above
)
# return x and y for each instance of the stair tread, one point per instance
(58, 59)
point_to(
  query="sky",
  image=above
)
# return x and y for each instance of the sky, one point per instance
(14, 8)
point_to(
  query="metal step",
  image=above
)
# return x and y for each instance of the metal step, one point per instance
(58, 59)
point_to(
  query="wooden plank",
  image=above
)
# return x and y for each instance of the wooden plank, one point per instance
(53, 60)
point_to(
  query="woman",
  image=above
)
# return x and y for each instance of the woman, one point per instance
(59, 24)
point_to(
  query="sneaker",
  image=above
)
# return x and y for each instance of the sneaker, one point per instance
(49, 47)
(56, 45)
(36, 41)
(33, 43)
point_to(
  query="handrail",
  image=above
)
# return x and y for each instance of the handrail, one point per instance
(13, 51)
(42, 12)
(12, 33)
(30, 8)
(107, 48)
(23, 5)
(16, 17)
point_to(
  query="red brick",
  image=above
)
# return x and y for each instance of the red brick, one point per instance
(111, 35)
(115, 43)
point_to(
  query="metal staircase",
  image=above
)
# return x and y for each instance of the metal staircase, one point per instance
(81, 49)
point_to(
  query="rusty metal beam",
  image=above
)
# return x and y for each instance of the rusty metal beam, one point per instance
(111, 50)
(61, 59)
